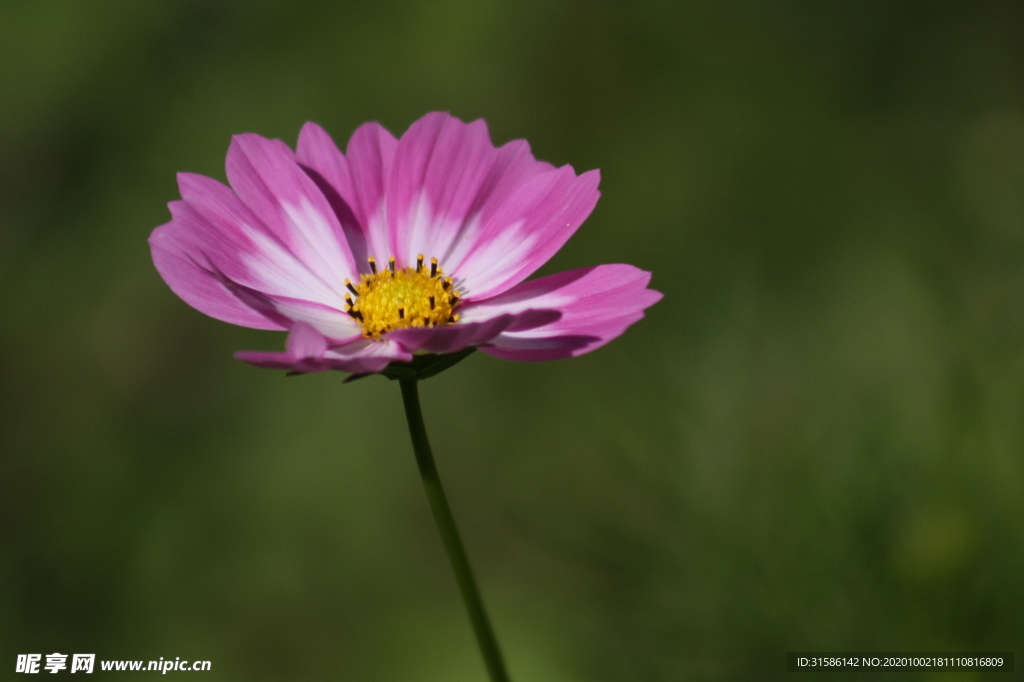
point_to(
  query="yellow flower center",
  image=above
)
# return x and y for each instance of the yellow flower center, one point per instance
(395, 299)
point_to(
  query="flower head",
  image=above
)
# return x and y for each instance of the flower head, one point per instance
(394, 248)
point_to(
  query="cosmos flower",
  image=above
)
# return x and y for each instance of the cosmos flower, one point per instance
(395, 248)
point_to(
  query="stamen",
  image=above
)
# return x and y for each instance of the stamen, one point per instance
(397, 298)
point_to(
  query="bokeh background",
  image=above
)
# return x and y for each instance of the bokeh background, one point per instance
(814, 442)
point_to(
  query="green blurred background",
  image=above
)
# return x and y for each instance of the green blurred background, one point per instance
(815, 441)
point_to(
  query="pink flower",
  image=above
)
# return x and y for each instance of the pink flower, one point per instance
(396, 247)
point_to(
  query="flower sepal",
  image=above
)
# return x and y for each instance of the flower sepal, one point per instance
(421, 367)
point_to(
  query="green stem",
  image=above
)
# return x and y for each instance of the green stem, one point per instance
(450, 535)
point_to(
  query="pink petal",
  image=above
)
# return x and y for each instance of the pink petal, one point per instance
(491, 216)
(218, 227)
(440, 166)
(286, 312)
(270, 360)
(361, 365)
(366, 356)
(271, 184)
(334, 324)
(525, 231)
(597, 304)
(307, 351)
(305, 342)
(354, 186)
(304, 352)
(454, 337)
(213, 242)
(185, 269)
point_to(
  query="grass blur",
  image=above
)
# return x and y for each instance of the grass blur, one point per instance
(814, 442)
